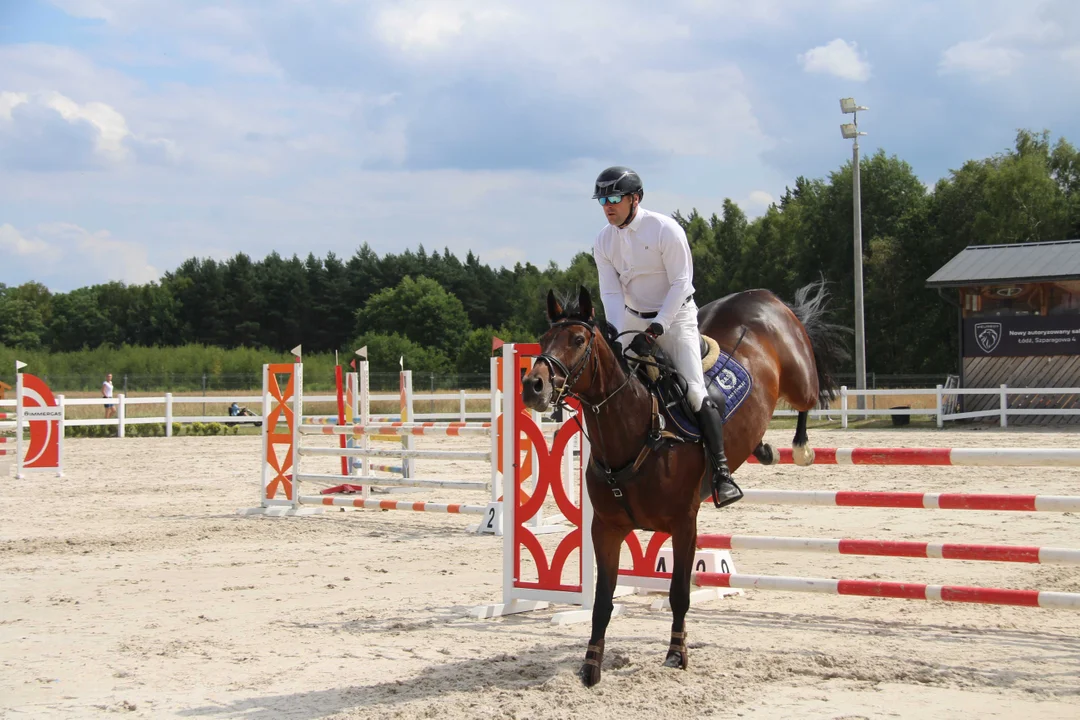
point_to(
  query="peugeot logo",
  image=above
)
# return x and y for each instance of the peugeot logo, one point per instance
(988, 335)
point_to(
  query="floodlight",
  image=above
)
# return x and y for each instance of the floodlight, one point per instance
(850, 130)
(848, 106)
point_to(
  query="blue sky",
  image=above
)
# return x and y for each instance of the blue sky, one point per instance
(137, 133)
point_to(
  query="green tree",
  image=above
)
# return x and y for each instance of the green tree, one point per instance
(420, 310)
(475, 353)
(24, 314)
(385, 350)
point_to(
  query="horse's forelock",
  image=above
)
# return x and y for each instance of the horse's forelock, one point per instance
(571, 308)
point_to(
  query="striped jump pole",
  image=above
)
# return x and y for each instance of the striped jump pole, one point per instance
(898, 590)
(919, 500)
(452, 429)
(963, 457)
(338, 501)
(387, 453)
(378, 467)
(895, 548)
(394, 482)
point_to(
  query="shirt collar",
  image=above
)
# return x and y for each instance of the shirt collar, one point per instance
(636, 222)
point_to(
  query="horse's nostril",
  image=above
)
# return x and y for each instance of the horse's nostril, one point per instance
(538, 385)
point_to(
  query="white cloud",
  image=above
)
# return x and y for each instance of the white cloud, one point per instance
(58, 249)
(983, 58)
(111, 126)
(759, 201)
(411, 27)
(1025, 40)
(688, 122)
(838, 58)
(50, 131)
(9, 101)
(125, 261)
(15, 243)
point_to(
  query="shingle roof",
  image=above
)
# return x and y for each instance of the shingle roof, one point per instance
(1022, 262)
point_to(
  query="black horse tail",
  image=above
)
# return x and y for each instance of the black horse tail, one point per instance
(828, 340)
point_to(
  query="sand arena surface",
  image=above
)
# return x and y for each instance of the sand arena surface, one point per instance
(131, 588)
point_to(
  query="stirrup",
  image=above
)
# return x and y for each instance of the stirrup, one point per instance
(725, 490)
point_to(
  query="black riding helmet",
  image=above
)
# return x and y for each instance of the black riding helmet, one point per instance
(618, 180)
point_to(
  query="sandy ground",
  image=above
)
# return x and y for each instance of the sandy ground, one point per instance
(131, 587)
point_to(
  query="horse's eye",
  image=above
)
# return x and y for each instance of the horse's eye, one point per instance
(579, 340)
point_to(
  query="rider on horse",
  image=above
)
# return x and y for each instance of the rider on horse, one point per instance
(646, 285)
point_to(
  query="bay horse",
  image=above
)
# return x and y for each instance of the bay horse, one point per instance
(789, 352)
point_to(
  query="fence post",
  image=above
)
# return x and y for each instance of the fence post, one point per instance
(168, 414)
(462, 413)
(939, 405)
(60, 402)
(120, 413)
(843, 406)
(1004, 406)
(408, 442)
(493, 408)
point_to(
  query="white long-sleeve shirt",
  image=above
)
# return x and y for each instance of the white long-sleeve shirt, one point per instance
(645, 266)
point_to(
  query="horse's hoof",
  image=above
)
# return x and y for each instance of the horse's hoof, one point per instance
(769, 456)
(802, 455)
(589, 674)
(676, 660)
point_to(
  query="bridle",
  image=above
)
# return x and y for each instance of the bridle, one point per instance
(573, 375)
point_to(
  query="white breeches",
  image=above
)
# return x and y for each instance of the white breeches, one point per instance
(681, 342)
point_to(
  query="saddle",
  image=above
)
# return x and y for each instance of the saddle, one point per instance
(727, 382)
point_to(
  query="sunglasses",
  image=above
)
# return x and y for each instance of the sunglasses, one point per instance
(611, 199)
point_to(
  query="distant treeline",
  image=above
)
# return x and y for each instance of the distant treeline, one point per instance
(439, 312)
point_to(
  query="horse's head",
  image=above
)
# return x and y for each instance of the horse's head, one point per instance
(569, 353)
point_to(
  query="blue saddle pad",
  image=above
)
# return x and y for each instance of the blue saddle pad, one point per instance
(727, 376)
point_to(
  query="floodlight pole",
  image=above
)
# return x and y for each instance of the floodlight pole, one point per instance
(860, 328)
(849, 106)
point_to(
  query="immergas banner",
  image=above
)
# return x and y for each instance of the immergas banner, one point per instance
(1022, 336)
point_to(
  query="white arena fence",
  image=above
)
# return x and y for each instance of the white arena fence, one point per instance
(940, 411)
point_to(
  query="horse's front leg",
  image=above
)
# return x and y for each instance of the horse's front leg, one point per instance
(683, 546)
(607, 541)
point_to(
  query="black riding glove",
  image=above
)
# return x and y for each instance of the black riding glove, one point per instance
(644, 343)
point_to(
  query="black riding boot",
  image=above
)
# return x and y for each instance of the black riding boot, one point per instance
(710, 419)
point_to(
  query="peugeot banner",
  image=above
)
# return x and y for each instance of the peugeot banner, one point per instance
(1022, 336)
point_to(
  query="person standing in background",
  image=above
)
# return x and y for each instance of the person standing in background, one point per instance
(106, 392)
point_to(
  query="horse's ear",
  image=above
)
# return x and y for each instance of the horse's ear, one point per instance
(585, 303)
(554, 309)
